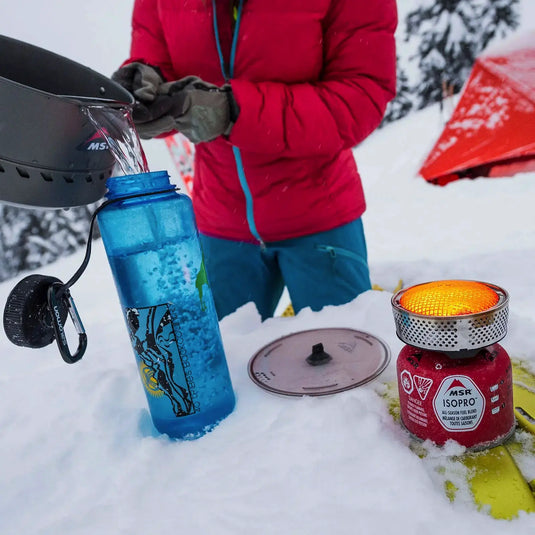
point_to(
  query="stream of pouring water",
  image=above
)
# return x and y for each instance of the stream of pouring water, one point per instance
(116, 126)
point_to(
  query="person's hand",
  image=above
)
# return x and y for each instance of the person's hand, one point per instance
(199, 110)
(139, 79)
(142, 81)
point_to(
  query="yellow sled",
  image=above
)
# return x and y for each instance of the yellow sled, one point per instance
(494, 478)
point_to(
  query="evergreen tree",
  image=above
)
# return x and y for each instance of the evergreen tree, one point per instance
(402, 104)
(14, 221)
(450, 34)
(30, 238)
(58, 234)
(447, 33)
(497, 18)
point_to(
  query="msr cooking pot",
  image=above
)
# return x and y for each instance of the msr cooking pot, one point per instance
(51, 156)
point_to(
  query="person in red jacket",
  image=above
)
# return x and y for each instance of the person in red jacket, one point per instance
(275, 94)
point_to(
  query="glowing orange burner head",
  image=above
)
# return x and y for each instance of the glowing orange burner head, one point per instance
(449, 298)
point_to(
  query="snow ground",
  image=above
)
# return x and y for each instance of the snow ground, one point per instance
(78, 454)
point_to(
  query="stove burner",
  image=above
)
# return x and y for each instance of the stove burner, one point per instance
(438, 328)
(449, 298)
(454, 379)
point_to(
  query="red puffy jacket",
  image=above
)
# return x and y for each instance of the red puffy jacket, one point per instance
(311, 78)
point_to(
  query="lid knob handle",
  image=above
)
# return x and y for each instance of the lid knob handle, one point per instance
(318, 356)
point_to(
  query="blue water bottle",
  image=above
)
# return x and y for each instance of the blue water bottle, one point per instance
(152, 244)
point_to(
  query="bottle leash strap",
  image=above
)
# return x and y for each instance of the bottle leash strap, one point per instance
(59, 298)
(87, 256)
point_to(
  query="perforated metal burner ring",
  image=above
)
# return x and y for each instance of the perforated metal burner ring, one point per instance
(453, 333)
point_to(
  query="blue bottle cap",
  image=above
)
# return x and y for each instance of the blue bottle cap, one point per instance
(125, 185)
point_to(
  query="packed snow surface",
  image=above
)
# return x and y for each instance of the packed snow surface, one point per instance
(78, 453)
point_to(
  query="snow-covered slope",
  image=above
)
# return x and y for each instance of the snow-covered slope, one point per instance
(78, 453)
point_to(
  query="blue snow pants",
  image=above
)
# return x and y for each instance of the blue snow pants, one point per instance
(327, 268)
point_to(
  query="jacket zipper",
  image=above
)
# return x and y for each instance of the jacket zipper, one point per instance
(227, 74)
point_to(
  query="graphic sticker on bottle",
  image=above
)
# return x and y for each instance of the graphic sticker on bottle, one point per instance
(158, 345)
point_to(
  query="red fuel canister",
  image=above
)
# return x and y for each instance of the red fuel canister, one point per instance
(469, 400)
(454, 379)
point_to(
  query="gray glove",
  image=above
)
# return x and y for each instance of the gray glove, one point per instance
(199, 110)
(142, 81)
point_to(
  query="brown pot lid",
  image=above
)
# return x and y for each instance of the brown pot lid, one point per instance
(319, 362)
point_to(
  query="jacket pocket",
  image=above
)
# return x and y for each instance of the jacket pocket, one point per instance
(334, 252)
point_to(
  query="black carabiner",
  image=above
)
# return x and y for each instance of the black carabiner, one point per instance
(59, 298)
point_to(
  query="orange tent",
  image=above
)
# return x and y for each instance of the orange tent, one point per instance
(492, 129)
